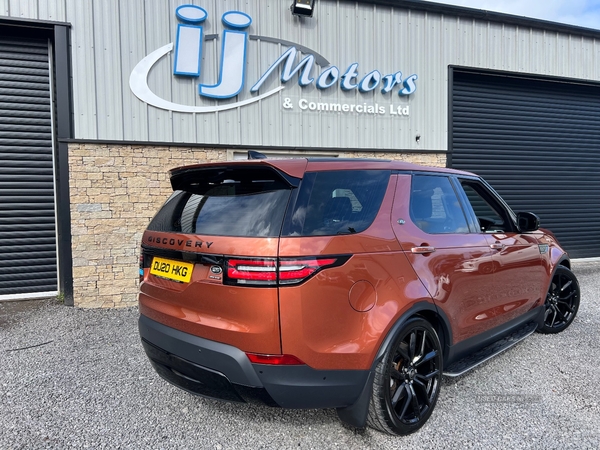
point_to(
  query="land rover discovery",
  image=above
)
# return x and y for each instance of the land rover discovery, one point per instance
(341, 283)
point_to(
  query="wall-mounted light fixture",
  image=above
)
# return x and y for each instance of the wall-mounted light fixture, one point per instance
(304, 8)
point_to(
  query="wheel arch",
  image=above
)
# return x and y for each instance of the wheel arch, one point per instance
(558, 257)
(356, 414)
(424, 310)
(564, 261)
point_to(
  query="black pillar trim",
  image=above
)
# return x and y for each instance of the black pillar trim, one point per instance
(450, 147)
(64, 130)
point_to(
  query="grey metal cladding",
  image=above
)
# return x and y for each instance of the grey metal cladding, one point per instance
(27, 207)
(110, 37)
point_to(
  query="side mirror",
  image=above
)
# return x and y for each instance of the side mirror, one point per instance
(527, 221)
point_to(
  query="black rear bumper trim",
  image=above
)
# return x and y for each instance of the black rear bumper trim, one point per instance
(221, 371)
(200, 380)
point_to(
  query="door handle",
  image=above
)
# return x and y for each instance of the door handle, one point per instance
(422, 250)
(497, 246)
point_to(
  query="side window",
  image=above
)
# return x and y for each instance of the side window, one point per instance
(491, 216)
(434, 206)
(337, 202)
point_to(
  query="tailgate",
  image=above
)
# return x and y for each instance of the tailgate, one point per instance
(242, 316)
(209, 256)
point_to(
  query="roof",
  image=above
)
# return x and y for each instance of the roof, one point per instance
(491, 16)
(296, 167)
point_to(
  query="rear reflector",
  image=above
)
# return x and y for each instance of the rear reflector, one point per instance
(274, 360)
(280, 271)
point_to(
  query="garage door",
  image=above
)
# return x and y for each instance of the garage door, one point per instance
(28, 265)
(538, 143)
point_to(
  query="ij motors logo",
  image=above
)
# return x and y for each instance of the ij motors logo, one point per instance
(296, 61)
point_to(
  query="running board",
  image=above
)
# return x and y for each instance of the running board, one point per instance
(480, 356)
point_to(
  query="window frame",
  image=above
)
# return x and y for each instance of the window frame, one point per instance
(489, 195)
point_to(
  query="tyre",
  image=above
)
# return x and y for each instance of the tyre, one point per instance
(407, 380)
(562, 301)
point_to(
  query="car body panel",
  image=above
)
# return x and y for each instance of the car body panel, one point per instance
(520, 268)
(340, 337)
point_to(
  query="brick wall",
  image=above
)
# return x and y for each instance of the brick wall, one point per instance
(115, 191)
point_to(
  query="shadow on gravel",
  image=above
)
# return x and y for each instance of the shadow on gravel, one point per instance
(584, 270)
(266, 414)
(11, 312)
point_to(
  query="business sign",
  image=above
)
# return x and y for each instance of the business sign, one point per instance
(188, 47)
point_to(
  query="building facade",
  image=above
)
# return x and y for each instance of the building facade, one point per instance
(100, 98)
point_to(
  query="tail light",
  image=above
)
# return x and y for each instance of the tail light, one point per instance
(145, 263)
(280, 271)
(293, 271)
(252, 271)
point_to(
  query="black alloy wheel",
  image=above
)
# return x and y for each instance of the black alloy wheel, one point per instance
(407, 381)
(562, 301)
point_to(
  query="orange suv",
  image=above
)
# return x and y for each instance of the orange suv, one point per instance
(349, 284)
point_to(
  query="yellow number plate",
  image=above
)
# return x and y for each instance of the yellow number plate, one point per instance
(173, 270)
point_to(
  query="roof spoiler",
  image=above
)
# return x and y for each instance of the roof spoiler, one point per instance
(199, 179)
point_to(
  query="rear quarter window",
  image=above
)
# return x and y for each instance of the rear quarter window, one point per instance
(337, 202)
(434, 206)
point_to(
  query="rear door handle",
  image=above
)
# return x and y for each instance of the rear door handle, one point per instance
(422, 250)
(497, 246)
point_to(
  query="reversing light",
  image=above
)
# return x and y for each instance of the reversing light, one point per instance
(274, 360)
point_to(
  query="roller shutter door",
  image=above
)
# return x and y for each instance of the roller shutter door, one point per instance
(28, 261)
(538, 143)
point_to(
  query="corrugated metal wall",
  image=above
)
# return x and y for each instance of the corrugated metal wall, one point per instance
(109, 37)
(538, 143)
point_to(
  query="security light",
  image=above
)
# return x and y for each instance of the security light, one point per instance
(303, 8)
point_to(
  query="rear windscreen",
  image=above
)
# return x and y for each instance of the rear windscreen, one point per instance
(337, 202)
(229, 205)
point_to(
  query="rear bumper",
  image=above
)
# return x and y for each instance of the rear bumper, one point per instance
(220, 371)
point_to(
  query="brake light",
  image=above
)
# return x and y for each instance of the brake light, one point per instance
(274, 360)
(296, 270)
(252, 271)
(280, 271)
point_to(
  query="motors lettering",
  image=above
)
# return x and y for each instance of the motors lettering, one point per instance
(179, 242)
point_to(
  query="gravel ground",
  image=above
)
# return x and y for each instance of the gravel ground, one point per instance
(72, 378)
